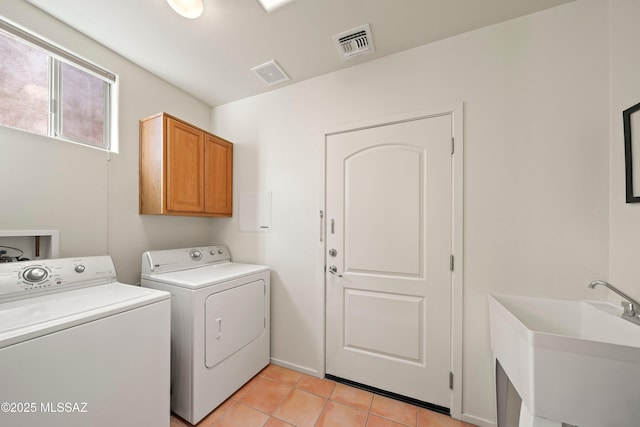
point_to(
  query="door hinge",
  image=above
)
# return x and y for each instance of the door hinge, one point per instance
(450, 380)
(452, 144)
(451, 262)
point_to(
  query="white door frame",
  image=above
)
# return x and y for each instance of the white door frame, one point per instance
(457, 187)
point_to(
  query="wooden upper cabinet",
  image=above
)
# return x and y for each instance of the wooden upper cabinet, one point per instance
(218, 165)
(185, 179)
(184, 170)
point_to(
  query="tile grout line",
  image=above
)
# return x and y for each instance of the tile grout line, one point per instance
(280, 405)
(293, 388)
(366, 421)
(326, 402)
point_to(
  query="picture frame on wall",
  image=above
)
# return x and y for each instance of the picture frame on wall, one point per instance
(631, 122)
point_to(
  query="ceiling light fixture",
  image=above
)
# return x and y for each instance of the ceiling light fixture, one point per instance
(188, 8)
(270, 5)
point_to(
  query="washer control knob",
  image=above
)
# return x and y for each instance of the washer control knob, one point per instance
(80, 268)
(35, 274)
(195, 254)
(220, 251)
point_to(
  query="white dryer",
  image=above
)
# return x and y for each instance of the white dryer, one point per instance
(79, 349)
(220, 321)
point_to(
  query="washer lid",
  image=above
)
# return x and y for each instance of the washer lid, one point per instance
(194, 278)
(29, 318)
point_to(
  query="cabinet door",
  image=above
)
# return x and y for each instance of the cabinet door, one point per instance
(185, 167)
(219, 175)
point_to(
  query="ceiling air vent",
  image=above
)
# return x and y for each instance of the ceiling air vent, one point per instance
(270, 73)
(357, 41)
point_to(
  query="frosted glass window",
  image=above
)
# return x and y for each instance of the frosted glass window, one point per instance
(24, 86)
(83, 105)
(47, 90)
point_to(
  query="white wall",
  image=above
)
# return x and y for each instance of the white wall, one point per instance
(536, 97)
(93, 201)
(625, 92)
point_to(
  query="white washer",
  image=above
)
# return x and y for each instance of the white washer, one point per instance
(79, 349)
(220, 323)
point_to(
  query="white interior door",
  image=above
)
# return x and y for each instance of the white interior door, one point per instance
(388, 280)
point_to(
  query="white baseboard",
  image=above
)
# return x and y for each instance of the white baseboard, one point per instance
(298, 368)
(477, 421)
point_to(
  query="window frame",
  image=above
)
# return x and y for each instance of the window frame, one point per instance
(57, 57)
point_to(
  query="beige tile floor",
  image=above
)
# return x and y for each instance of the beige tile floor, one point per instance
(280, 397)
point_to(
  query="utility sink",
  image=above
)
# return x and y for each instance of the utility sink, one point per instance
(576, 362)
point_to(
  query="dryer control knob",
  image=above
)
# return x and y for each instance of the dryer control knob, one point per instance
(80, 268)
(35, 274)
(196, 255)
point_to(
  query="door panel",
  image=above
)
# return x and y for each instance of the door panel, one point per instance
(219, 175)
(185, 168)
(385, 180)
(369, 332)
(388, 319)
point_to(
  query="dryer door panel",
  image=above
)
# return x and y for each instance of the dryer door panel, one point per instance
(233, 319)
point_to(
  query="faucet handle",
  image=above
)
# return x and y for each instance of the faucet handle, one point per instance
(630, 308)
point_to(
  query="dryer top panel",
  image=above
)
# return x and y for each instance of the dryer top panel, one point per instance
(154, 262)
(208, 275)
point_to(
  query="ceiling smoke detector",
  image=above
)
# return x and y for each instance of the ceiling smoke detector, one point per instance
(357, 41)
(270, 73)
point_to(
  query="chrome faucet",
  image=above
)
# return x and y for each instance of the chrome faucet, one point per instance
(631, 306)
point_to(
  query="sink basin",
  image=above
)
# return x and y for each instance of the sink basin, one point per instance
(576, 362)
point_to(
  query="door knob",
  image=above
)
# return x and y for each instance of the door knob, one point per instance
(334, 270)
